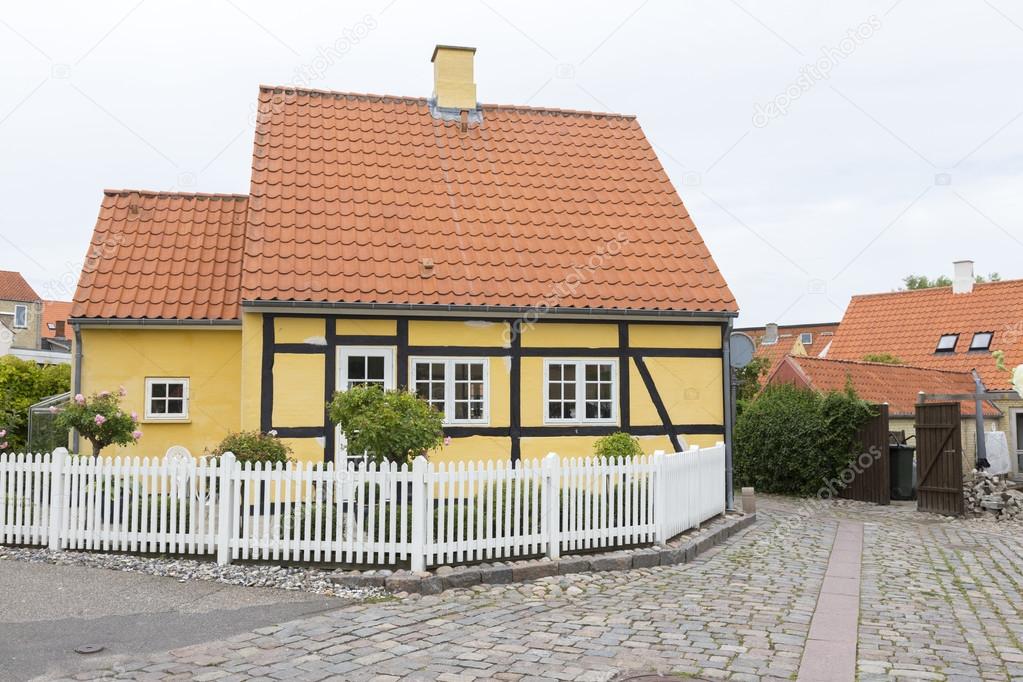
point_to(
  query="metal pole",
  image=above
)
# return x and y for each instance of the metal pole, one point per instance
(978, 407)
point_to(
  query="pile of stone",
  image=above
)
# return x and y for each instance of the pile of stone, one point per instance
(995, 496)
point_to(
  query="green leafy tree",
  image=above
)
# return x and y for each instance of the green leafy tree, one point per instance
(883, 358)
(618, 444)
(795, 441)
(22, 384)
(392, 426)
(749, 378)
(912, 282)
(100, 420)
(253, 446)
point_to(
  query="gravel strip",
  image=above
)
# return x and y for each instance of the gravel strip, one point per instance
(312, 580)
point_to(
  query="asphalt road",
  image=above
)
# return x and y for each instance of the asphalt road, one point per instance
(47, 611)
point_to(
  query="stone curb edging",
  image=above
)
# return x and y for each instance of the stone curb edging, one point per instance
(447, 578)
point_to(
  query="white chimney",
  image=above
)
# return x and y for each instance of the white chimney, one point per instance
(962, 277)
(770, 334)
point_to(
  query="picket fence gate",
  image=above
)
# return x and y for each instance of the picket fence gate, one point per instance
(381, 515)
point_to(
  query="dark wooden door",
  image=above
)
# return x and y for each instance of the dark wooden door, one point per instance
(870, 470)
(939, 459)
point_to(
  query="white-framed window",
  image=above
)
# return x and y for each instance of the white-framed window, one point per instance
(458, 388)
(580, 391)
(365, 365)
(806, 338)
(166, 398)
(20, 316)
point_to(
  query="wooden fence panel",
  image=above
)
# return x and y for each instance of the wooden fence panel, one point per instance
(939, 457)
(870, 471)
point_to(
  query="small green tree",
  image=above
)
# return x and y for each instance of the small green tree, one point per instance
(883, 358)
(913, 282)
(392, 426)
(749, 378)
(618, 444)
(253, 446)
(100, 420)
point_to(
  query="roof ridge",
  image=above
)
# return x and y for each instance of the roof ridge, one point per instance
(879, 364)
(160, 193)
(936, 289)
(405, 99)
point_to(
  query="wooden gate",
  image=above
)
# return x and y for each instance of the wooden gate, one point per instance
(871, 481)
(939, 458)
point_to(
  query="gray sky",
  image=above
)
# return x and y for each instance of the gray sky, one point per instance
(899, 151)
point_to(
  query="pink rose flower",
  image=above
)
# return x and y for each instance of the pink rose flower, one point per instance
(80, 399)
(3, 446)
(136, 434)
(53, 409)
(447, 440)
(134, 416)
(104, 394)
(122, 391)
(100, 420)
(3, 432)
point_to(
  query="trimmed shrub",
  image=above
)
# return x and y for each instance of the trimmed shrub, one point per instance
(391, 426)
(618, 444)
(793, 441)
(253, 446)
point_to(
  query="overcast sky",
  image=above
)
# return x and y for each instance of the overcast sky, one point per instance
(823, 149)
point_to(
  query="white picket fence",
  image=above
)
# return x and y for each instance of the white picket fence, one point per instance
(383, 515)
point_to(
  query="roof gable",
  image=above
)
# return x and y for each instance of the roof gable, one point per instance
(13, 287)
(908, 324)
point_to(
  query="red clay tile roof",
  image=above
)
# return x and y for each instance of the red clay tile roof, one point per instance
(53, 312)
(164, 255)
(896, 385)
(787, 336)
(13, 287)
(350, 193)
(908, 324)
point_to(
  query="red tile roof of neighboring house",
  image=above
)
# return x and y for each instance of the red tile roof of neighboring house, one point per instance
(164, 255)
(54, 312)
(351, 193)
(896, 385)
(13, 287)
(908, 324)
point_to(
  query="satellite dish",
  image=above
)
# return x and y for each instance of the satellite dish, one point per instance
(742, 349)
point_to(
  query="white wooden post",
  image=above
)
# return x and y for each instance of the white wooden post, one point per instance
(552, 502)
(56, 518)
(420, 514)
(226, 509)
(698, 478)
(660, 499)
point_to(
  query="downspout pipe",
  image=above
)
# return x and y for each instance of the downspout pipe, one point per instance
(77, 387)
(728, 384)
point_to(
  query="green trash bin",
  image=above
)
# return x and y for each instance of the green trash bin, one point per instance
(901, 463)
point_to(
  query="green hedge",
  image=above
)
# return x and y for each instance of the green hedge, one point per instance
(793, 441)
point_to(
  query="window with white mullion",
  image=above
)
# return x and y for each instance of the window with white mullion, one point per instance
(457, 388)
(580, 391)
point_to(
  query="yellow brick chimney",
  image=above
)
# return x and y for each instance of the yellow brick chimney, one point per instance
(453, 85)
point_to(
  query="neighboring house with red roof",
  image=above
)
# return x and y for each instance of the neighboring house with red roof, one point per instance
(952, 328)
(897, 385)
(21, 322)
(775, 341)
(530, 271)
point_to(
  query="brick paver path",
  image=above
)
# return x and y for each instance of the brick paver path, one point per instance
(937, 598)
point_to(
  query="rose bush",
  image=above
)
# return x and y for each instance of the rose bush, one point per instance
(100, 420)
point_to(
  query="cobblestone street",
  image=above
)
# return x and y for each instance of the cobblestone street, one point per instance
(939, 600)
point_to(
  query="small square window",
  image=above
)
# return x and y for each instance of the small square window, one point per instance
(167, 398)
(580, 391)
(806, 338)
(20, 316)
(981, 341)
(455, 388)
(947, 343)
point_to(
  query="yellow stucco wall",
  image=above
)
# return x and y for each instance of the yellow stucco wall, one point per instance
(210, 358)
(690, 389)
(568, 335)
(457, 333)
(298, 389)
(366, 327)
(251, 370)
(674, 336)
(300, 330)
